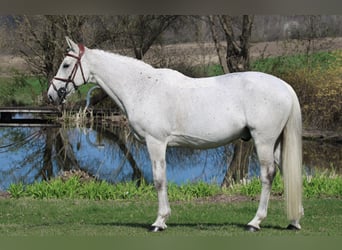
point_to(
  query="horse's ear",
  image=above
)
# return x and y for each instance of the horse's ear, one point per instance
(73, 46)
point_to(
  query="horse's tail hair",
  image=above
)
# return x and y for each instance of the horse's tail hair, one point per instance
(292, 161)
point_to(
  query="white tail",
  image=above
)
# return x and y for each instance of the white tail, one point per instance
(292, 161)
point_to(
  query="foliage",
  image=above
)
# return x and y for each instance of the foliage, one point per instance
(25, 90)
(214, 70)
(102, 190)
(253, 186)
(319, 185)
(316, 79)
(323, 184)
(20, 90)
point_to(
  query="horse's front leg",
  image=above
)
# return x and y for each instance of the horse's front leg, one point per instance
(157, 151)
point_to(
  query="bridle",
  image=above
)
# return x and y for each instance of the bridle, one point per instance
(62, 91)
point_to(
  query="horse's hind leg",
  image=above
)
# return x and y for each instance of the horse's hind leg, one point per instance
(157, 151)
(267, 172)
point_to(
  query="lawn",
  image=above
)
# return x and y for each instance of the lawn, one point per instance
(203, 217)
(82, 217)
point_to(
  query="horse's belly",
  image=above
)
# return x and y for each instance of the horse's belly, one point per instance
(207, 128)
(204, 140)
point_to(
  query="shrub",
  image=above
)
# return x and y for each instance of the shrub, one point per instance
(316, 80)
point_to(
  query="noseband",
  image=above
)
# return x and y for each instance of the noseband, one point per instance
(62, 91)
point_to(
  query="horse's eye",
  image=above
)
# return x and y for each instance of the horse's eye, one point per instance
(65, 65)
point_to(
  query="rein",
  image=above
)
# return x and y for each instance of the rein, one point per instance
(62, 92)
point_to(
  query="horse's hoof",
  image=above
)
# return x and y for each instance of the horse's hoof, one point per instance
(154, 229)
(292, 227)
(250, 228)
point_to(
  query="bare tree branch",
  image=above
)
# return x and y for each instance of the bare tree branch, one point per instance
(237, 47)
(218, 47)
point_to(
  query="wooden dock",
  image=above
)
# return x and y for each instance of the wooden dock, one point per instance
(28, 116)
(45, 116)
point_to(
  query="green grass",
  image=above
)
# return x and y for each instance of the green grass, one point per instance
(91, 208)
(53, 217)
(20, 90)
(284, 64)
(23, 90)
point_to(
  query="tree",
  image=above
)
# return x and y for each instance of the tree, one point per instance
(144, 30)
(43, 43)
(237, 47)
(237, 59)
(134, 32)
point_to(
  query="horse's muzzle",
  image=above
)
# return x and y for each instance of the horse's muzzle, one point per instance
(57, 95)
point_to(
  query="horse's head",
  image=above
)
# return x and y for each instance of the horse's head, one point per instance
(71, 74)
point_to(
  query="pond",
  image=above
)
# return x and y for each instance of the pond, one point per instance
(109, 152)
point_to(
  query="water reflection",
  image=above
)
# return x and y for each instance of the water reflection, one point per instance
(110, 153)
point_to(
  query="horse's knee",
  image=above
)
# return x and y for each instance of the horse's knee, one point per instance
(271, 172)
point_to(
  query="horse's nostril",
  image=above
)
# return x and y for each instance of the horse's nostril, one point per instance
(50, 98)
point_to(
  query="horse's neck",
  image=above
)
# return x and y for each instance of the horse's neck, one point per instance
(118, 76)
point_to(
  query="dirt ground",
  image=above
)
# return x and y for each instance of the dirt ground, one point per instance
(8, 63)
(205, 53)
